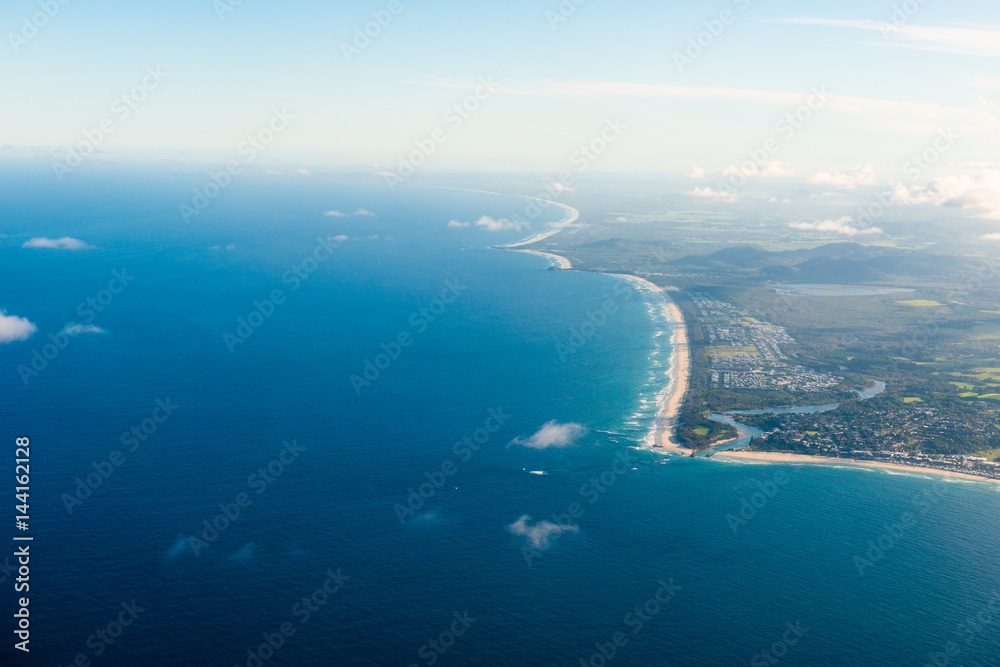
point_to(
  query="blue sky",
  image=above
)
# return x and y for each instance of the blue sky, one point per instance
(557, 85)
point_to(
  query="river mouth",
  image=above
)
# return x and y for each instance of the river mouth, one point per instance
(746, 432)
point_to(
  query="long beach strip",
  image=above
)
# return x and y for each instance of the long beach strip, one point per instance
(668, 418)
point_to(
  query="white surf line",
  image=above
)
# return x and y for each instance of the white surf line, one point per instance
(572, 215)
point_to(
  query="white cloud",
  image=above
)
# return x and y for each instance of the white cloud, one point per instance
(492, 225)
(992, 237)
(14, 328)
(751, 169)
(889, 115)
(552, 434)
(76, 329)
(303, 172)
(968, 41)
(272, 172)
(339, 238)
(359, 212)
(980, 191)
(696, 172)
(721, 195)
(540, 533)
(65, 243)
(559, 187)
(844, 225)
(503, 224)
(849, 180)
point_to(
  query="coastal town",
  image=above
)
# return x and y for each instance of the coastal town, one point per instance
(899, 435)
(806, 409)
(746, 353)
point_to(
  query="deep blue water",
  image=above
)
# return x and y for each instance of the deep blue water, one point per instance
(333, 504)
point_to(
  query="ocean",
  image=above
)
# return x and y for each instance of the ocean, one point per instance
(281, 434)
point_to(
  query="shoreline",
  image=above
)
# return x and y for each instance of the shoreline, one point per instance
(572, 216)
(668, 418)
(782, 457)
(557, 260)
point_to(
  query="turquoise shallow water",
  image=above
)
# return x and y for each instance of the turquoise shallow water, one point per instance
(331, 503)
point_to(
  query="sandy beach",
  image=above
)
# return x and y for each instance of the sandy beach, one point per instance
(680, 369)
(781, 457)
(572, 215)
(557, 260)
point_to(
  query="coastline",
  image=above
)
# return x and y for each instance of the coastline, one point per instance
(781, 457)
(557, 260)
(572, 216)
(665, 436)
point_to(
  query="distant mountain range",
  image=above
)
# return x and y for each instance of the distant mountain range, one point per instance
(836, 262)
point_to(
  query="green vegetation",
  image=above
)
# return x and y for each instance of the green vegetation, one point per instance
(921, 303)
(936, 347)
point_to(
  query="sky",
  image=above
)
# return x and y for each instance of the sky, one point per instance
(890, 76)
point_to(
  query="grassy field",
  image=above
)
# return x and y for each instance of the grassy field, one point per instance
(727, 351)
(921, 303)
(991, 454)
